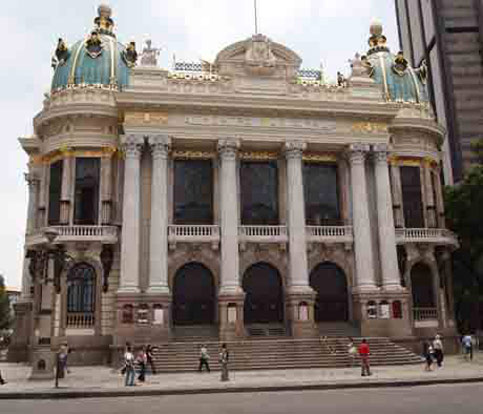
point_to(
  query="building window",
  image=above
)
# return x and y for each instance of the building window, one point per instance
(81, 295)
(86, 205)
(397, 309)
(320, 194)
(193, 192)
(55, 189)
(259, 192)
(412, 198)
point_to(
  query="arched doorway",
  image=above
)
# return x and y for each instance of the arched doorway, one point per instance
(332, 302)
(263, 294)
(422, 286)
(193, 295)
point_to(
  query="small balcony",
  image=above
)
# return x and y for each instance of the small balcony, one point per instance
(329, 234)
(193, 233)
(77, 233)
(436, 236)
(262, 234)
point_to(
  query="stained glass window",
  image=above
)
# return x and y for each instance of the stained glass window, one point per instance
(81, 289)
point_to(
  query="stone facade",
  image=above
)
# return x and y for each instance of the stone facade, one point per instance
(250, 106)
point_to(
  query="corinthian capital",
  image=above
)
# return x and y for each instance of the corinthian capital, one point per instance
(356, 153)
(381, 152)
(160, 146)
(31, 179)
(228, 148)
(294, 149)
(132, 145)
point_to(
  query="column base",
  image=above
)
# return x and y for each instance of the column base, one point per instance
(43, 363)
(158, 290)
(300, 311)
(393, 288)
(128, 290)
(231, 302)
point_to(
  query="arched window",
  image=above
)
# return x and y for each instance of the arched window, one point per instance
(81, 293)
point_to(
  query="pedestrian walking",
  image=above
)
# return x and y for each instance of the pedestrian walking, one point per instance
(204, 358)
(467, 342)
(352, 351)
(438, 350)
(224, 356)
(150, 358)
(428, 352)
(364, 353)
(129, 367)
(2, 381)
(141, 363)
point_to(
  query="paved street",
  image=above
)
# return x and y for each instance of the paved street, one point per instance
(440, 399)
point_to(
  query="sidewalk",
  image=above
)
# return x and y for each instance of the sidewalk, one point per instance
(102, 381)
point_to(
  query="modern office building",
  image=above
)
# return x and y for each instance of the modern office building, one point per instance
(243, 198)
(448, 35)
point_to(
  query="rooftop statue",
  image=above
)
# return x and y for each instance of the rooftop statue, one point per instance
(259, 57)
(149, 55)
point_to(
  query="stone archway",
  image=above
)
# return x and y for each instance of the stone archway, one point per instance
(332, 301)
(262, 284)
(422, 286)
(193, 295)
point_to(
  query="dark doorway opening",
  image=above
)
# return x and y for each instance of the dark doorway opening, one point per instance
(422, 286)
(263, 294)
(193, 296)
(332, 302)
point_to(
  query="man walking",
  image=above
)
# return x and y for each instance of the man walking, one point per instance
(364, 352)
(467, 343)
(204, 357)
(224, 363)
(129, 367)
(438, 350)
(149, 358)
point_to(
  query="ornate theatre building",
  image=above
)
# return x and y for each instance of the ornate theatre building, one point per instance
(226, 200)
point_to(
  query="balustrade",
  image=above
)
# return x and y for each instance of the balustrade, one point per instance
(188, 230)
(80, 320)
(424, 314)
(443, 236)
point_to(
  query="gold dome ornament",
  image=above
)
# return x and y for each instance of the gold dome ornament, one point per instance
(103, 21)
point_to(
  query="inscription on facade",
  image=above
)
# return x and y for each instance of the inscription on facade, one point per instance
(243, 121)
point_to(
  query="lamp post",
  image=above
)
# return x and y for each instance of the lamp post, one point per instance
(43, 358)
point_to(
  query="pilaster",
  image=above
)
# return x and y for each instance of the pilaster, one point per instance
(387, 236)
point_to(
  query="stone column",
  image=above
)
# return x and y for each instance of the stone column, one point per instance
(397, 195)
(129, 281)
(230, 279)
(387, 234)
(158, 242)
(430, 205)
(439, 200)
(65, 198)
(365, 280)
(299, 279)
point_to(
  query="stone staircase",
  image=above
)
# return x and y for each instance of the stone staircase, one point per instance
(195, 334)
(339, 329)
(266, 330)
(279, 354)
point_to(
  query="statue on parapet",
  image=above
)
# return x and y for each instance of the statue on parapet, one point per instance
(149, 55)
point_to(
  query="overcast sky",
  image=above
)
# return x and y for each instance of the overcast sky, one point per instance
(327, 31)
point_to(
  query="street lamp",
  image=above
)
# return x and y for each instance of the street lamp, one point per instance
(43, 358)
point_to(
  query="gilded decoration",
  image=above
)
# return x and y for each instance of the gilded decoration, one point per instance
(320, 157)
(198, 155)
(259, 155)
(139, 118)
(64, 152)
(369, 127)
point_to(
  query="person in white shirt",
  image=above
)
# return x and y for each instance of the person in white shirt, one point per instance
(438, 350)
(467, 343)
(129, 367)
(204, 357)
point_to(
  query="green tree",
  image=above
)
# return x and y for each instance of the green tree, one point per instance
(464, 213)
(5, 316)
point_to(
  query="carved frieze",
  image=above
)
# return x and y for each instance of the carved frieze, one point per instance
(142, 118)
(369, 127)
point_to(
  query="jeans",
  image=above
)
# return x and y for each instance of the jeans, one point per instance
(129, 380)
(365, 368)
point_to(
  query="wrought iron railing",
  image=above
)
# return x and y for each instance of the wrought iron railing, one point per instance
(424, 314)
(80, 320)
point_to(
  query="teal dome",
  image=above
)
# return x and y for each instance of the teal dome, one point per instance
(97, 60)
(400, 82)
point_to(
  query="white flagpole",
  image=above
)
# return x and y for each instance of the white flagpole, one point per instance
(256, 23)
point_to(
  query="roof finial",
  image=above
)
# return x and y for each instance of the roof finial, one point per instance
(377, 41)
(104, 23)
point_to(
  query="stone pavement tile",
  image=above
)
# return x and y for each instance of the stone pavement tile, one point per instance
(105, 378)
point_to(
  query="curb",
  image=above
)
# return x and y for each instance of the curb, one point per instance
(71, 394)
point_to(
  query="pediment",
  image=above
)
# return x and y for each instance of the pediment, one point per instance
(259, 56)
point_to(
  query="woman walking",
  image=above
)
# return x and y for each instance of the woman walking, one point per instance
(438, 350)
(428, 355)
(141, 362)
(352, 351)
(149, 358)
(224, 363)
